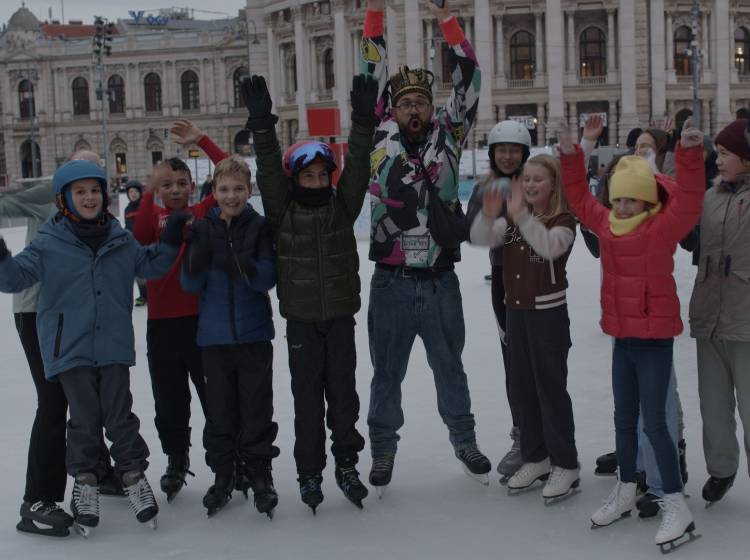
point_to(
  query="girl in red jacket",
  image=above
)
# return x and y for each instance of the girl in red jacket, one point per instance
(650, 214)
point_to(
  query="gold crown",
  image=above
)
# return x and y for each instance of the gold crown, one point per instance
(411, 81)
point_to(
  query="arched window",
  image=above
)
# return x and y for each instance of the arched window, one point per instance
(240, 73)
(329, 77)
(26, 99)
(152, 91)
(682, 37)
(292, 73)
(116, 87)
(741, 48)
(593, 52)
(190, 91)
(522, 56)
(80, 96)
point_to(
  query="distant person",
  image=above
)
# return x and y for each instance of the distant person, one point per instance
(134, 192)
(207, 186)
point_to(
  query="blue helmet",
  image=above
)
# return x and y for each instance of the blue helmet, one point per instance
(75, 171)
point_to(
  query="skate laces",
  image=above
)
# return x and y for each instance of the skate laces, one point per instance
(383, 462)
(309, 485)
(86, 499)
(45, 508)
(349, 477)
(471, 454)
(140, 495)
(670, 506)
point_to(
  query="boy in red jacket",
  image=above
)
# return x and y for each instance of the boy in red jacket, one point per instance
(173, 354)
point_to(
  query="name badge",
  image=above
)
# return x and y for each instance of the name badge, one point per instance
(415, 242)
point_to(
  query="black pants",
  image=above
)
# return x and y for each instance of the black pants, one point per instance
(239, 399)
(45, 471)
(539, 341)
(173, 359)
(498, 306)
(100, 396)
(323, 361)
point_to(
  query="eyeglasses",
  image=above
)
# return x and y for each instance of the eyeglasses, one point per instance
(409, 105)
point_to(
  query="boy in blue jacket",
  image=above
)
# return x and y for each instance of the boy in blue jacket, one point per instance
(85, 263)
(229, 259)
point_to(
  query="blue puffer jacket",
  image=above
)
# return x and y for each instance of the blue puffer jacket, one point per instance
(84, 315)
(238, 267)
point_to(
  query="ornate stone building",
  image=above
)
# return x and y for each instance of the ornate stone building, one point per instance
(542, 61)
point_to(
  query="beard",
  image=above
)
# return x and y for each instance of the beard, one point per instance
(415, 129)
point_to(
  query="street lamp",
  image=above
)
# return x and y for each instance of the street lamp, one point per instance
(28, 97)
(101, 47)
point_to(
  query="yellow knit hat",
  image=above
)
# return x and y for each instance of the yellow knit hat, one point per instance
(633, 178)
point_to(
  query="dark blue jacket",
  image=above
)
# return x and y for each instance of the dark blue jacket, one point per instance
(232, 268)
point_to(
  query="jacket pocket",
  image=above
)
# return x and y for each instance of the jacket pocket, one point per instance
(58, 336)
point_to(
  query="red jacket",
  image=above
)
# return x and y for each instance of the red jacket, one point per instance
(166, 299)
(639, 294)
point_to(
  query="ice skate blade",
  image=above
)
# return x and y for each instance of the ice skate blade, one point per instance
(153, 524)
(670, 546)
(483, 478)
(623, 515)
(82, 530)
(529, 488)
(36, 528)
(605, 473)
(552, 500)
(380, 491)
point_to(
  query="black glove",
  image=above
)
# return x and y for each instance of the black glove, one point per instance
(258, 102)
(4, 253)
(364, 96)
(173, 232)
(197, 257)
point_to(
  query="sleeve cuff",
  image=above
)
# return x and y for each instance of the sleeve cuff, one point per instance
(373, 24)
(452, 31)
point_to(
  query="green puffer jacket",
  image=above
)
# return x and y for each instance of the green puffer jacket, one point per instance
(318, 265)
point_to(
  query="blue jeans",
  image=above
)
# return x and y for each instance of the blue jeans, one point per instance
(646, 456)
(400, 309)
(641, 370)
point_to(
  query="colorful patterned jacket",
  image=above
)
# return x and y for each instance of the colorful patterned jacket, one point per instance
(399, 234)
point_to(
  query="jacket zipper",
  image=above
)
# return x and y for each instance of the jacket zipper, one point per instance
(321, 270)
(58, 336)
(721, 259)
(232, 318)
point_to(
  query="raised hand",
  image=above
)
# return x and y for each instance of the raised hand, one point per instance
(173, 232)
(593, 128)
(690, 136)
(258, 102)
(364, 96)
(185, 132)
(492, 202)
(4, 253)
(441, 13)
(517, 200)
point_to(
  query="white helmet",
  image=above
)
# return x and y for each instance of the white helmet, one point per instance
(510, 132)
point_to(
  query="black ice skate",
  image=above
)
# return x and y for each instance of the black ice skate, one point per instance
(111, 485)
(648, 506)
(512, 460)
(84, 503)
(44, 518)
(310, 492)
(475, 464)
(681, 445)
(173, 479)
(606, 465)
(259, 477)
(381, 472)
(141, 497)
(348, 480)
(715, 489)
(219, 493)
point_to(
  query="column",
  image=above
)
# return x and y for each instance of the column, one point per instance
(301, 48)
(724, 61)
(483, 36)
(571, 43)
(658, 61)
(626, 32)
(274, 87)
(209, 82)
(499, 50)
(432, 52)
(172, 97)
(706, 62)
(553, 25)
(669, 35)
(223, 100)
(541, 128)
(611, 43)
(730, 36)
(412, 34)
(133, 105)
(539, 44)
(393, 21)
(341, 63)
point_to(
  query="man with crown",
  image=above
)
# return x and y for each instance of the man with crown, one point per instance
(414, 290)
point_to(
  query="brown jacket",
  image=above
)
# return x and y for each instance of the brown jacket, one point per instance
(720, 304)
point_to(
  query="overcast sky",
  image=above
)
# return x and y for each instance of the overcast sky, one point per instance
(86, 9)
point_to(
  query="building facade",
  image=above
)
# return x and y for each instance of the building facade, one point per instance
(543, 61)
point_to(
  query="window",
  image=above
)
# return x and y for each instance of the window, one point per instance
(156, 157)
(329, 78)
(116, 87)
(682, 37)
(741, 46)
(26, 100)
(240, 73)
(152, 91)
(522, 56)
(80, 96)
(31, 161)
(190, 91)
(593, 53)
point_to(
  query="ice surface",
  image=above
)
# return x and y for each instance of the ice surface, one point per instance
(432, 509)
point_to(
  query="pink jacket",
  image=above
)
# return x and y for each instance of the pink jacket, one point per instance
(638, 294)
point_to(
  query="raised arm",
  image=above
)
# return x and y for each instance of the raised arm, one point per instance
(34, 202)
(22, 271)
(185, 132)
(372, 53)
(592, 214)
(460, 111)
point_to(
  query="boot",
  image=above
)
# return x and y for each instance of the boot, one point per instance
(676, 520)
(715, 488)
(347, 479)
(512, 460)
(265, 497)
(219, 493)
(172, 481)
(560, 484)
(110, 484)
(310, 492)
(528, 474)
(618, 505)
(606, 465)
(382, 469)
(84, 503)
(44, 518)
(648, 505)
(475, 464)
(142, 501)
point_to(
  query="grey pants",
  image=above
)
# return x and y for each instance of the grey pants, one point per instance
(723, 385)
(100, 396)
